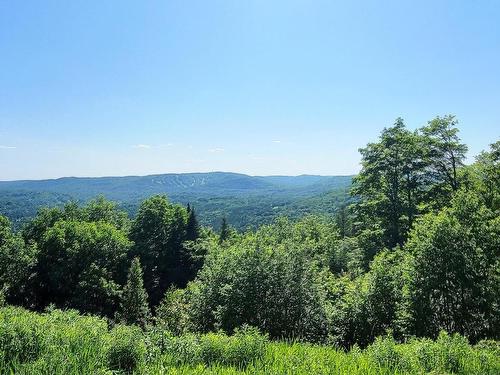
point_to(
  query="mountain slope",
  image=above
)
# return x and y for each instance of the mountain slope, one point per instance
(248, 200)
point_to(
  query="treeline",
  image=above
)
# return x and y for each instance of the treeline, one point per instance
(418, 252)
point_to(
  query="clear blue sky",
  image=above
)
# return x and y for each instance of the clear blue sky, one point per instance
(92, 88)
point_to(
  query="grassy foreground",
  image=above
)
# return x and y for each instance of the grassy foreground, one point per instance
(60, 342)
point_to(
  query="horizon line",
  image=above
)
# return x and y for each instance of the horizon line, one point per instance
(176, 173)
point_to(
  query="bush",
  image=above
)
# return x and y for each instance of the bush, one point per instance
(384, 352)
(176, 350)
(127, 349)
(247, 345)
(244, 347)
(20, 336)
(173, 312)
(266, 280)
(449, 354)
(64, 342)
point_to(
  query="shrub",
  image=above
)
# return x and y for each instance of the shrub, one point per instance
(384, 352)
(20, 335)
(267, 281)
(490, 346)
(176, 350)
(245, 346)
(126, 349)
(173, 312)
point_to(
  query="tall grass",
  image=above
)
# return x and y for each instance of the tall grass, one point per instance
(60, 342)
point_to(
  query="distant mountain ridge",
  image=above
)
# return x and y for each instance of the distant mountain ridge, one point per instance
(211, 183)
(20, 199)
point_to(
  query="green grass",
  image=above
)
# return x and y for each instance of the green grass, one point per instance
(67, 343)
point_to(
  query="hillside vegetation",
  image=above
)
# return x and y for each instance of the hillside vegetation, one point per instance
(247, 201)
(67, 343)
(405, 279)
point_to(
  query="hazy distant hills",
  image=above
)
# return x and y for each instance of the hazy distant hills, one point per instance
(247, 200)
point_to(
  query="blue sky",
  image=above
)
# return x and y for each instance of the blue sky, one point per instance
(93, 88)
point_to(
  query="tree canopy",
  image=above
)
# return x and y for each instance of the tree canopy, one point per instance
(416, 252)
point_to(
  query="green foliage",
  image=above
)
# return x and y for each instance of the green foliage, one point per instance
(347, 257)
(158, 232)
(72, 256)
(245, 346)
(454, 284)
(445, 152)
(369, 305)
(60, 343)
(173, 312)
(272, 280)
(391, 182)
(447, 355)
(484, 176)
(21, 338)
(126, 348)
(16, 263)
(416, 253)
(134, 308)
(51, 343)
(100, 209)
(192, 226)
(224, 231)
(406, 174)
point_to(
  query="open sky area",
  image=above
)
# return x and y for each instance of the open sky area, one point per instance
(94, 88)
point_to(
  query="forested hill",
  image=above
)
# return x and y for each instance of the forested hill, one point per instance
(245, 200)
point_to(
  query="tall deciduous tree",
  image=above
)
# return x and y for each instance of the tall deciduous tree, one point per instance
(454, 284)
(445, 151)
(17, 261)
(72, 256)
(158, 232)
(390, 182)
(486, 176)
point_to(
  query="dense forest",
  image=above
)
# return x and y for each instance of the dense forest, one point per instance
(416, 253)
(246, 201)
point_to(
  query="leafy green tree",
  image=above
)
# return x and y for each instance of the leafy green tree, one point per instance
(100, 209)
(343, 220)
(445, 151)
(71, 253)
(347, 257)
(97, 292)
(369, 306)
(134, 308)
(390, 183)
(173, 312)
(35, 229)
(455, 278)
(485, 176)
(273, 279)
(386, 280)
(17, 261)
(350, 314)
(159, 231)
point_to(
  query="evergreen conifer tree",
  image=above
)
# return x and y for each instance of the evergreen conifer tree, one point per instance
(193, 227)
(134, 307)
(224, 231)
